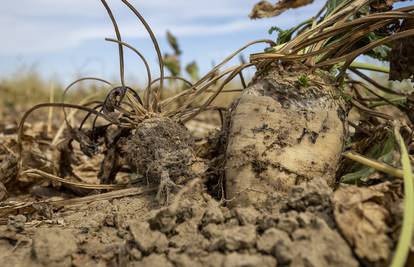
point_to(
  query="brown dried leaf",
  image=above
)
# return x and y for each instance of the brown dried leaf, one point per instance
(361, 217)
(8, 169)
(3, 192)
(402, 55)
(381, 5)
(264, 9)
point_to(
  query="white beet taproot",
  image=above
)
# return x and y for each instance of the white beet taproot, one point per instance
(287, 127)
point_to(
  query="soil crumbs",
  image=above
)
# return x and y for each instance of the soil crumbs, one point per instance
(196, 231)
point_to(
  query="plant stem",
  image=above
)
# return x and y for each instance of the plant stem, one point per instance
(404, 242)
(371, 67)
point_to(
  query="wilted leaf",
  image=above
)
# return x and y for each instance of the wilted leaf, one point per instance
(193, 71)
(264, 9)
(8, 169)
(3, 192)
(402, 55)
(172, 40)
(172, 63)
(381, 5)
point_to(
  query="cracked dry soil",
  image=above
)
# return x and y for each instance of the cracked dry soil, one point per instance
(296, 231)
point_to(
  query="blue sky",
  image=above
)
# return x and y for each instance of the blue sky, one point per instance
(64, 39)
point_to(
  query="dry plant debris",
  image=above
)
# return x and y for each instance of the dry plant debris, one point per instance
(264, 9)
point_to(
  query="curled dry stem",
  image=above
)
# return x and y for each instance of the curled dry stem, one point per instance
(118, 36)
(214, 75)
(28, 207)
(147, 68)
(203, 107)
(36, 173)
(69, 118)
(20, 131)
(74, 83)
(157, 91)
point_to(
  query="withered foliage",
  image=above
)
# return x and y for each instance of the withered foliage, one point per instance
(402, 55)
(264, 9)
(383, 5)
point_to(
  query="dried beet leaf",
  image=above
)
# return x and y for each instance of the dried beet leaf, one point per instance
(381, 5)
(264, 9)
(402, 56)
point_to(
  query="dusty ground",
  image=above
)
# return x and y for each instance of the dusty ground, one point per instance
(311, 226)
(198, 232)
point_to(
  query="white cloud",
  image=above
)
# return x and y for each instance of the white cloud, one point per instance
(91, 8)
(30, 27)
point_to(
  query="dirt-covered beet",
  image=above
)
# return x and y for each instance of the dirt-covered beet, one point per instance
(161, 150)
(287, 127)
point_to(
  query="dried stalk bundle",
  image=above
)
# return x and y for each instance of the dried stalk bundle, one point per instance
(335, 37)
